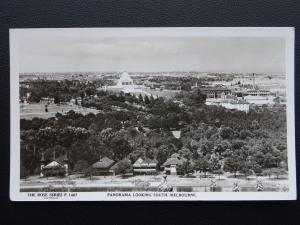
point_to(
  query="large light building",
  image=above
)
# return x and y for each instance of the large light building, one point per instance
(229, 102)
(125, 84)
(260, 100)
(237, 104)
(259, 97)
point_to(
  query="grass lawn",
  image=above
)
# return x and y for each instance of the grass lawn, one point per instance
(30, 111)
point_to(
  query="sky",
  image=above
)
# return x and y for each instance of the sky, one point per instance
(152, 54)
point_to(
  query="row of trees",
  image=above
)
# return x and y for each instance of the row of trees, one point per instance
(63, 90)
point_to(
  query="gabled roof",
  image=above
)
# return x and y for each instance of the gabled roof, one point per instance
(174, 161)
(116, 165)
(103, 163)
(57, 162)
(145, 162)
(52, 165)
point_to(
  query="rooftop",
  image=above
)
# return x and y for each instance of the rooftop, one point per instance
(145, 162)
(103, 163)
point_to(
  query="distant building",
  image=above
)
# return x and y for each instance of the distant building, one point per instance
(260, 100)
(241, 105)
(254, 92)
(47, 100)
(72, 101)
(145, 166)
(172, 164)
(176, 133)
(126, 85)
(229, 102)
(215, 92)
(103, 167)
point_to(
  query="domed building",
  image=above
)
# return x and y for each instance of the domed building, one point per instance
(125, 84)
(125, 80)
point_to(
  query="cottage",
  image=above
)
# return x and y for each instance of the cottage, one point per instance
(145, 166)
(103, 167)
(172, 164)
(57, 167)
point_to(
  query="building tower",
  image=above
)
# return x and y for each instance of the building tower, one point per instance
(66, 165)
(42, 161)
(253, 82)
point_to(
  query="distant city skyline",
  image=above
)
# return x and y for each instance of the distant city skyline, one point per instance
(155, 54)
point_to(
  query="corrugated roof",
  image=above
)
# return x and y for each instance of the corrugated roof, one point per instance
(103, 163)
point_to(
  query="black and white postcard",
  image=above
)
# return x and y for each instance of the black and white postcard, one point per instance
(143, 114)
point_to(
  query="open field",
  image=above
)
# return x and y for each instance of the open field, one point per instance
(29, 111)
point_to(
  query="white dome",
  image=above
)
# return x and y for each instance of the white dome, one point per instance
(125, 80)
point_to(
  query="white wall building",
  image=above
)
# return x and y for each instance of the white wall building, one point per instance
(240, 105)
(260, 100)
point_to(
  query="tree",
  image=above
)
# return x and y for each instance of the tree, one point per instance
(124, 166)
(185, 153)
(269, 160)
(81, 166)
(147, 100)
(203, 164)
(151, 99)
(219, 172)
(120, 147)
(162, 154)
(214, 162)
(141, 100)
(185, 168)
(232, 162)
(226, 132)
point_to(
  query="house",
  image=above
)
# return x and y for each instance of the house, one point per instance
(103, 167)
(145, 166)
(57, 167)
(172, 164)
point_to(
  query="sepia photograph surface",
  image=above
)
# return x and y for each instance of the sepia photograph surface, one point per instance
(152, 114)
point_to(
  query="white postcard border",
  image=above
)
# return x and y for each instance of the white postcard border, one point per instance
(16, 34)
